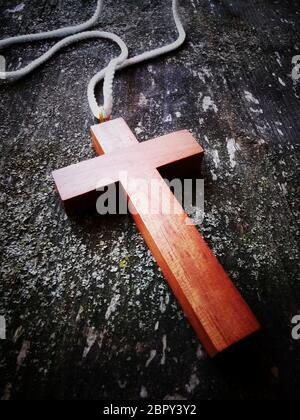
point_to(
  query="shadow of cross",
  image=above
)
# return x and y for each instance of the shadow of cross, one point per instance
(213, 305)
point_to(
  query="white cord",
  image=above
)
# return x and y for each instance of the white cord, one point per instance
(74, 34)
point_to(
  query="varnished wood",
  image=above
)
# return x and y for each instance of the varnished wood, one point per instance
(213, 305)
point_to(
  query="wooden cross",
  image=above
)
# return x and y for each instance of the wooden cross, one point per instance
(213, 305)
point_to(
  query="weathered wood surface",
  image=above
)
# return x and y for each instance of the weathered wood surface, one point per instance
(69, 288)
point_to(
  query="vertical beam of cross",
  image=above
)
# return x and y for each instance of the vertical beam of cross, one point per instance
(216, 310)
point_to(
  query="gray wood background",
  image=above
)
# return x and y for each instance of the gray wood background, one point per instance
(88, 314)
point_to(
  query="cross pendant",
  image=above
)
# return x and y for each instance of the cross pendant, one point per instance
(214, 307)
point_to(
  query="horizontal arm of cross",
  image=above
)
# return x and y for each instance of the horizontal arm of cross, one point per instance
(84, 178)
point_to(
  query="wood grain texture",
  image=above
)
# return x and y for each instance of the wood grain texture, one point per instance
(213, 305)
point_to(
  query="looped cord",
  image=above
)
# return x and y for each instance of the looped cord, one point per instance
(73, 34)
